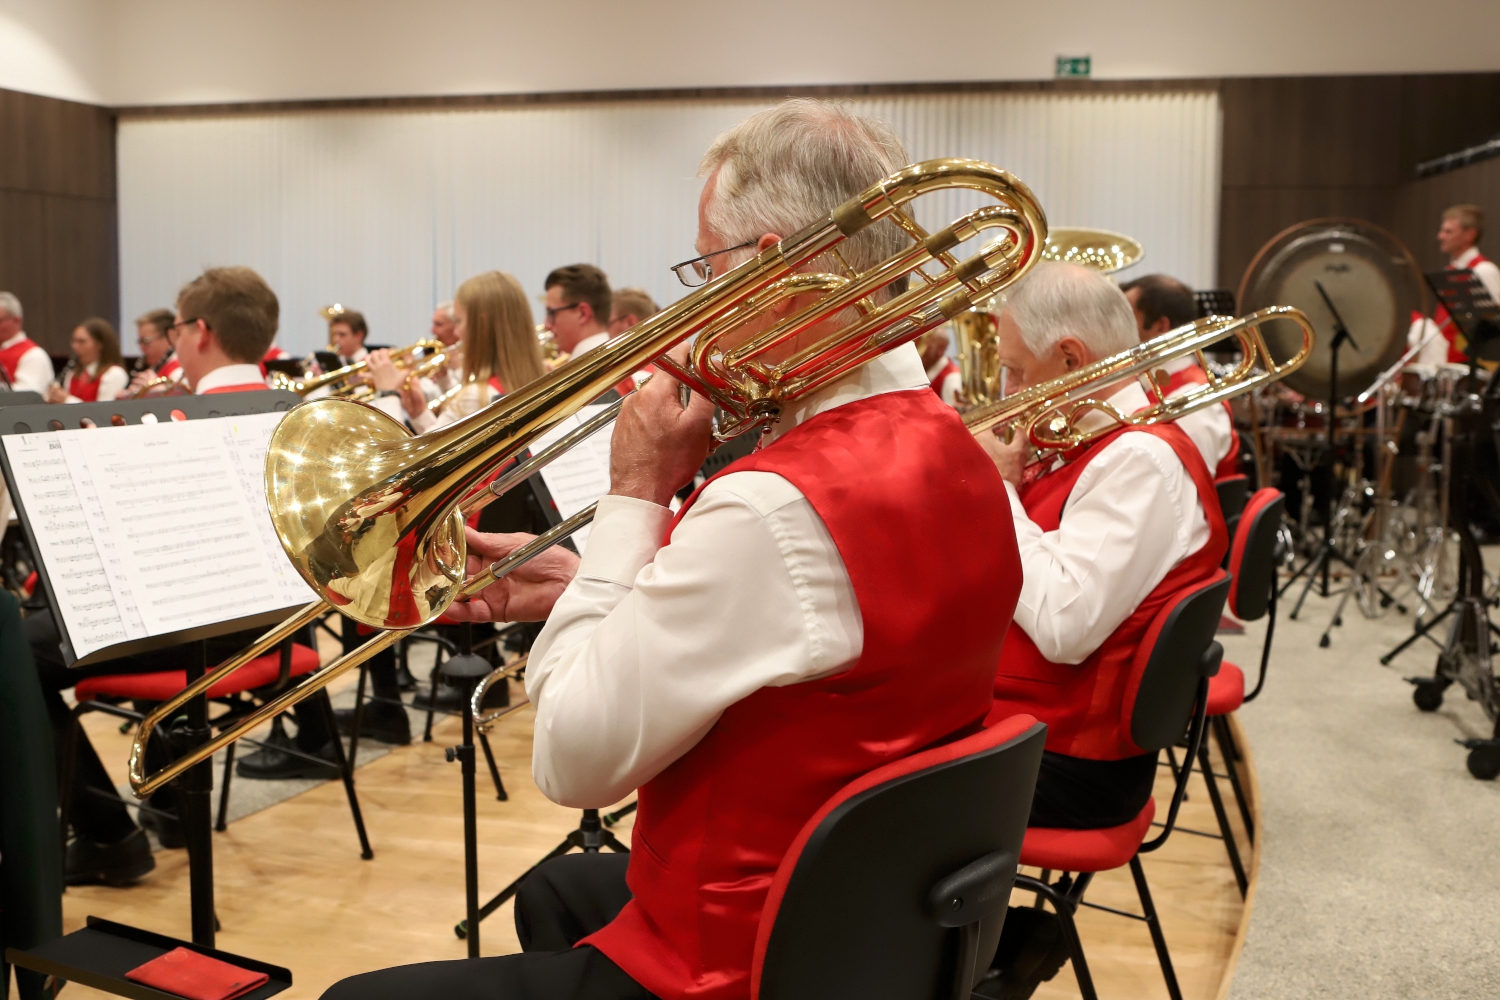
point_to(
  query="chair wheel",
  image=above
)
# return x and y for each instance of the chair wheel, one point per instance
(1428, 695)
(1484, 761)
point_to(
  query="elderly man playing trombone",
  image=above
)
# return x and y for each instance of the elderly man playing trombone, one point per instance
(799, 623)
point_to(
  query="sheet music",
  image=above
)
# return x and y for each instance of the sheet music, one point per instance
(184, 539)
(579, 476)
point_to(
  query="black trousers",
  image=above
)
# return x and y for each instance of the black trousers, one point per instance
(1077, 794)
(95, 810)
(560, 903)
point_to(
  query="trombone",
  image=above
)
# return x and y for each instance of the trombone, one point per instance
(1051, 414)
(373, 518)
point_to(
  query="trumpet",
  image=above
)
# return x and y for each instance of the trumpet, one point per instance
(1051, 414)
(552, 355)
(421, 358)
(373, 518)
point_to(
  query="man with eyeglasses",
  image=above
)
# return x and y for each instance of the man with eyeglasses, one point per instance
(741, 662)
(153, 335)
(578, 303)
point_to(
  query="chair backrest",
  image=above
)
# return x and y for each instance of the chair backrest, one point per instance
(1169, 662)
(1233, 491)
(898, 886)
(1252, 557)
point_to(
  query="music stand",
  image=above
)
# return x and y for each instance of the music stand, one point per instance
(82, 955)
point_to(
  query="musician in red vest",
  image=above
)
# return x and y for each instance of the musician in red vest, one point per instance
(1458, 238)
(153, 335)
(1160, 304)
(798, 624)
(226, 320)
(26, 367)
(1106, 535)
(96, 372)
(942, 373)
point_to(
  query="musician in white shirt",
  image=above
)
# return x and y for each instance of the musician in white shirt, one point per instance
(1458, 238)
(96, 372)
(26, 367)
(347, 332)
(1160, 304)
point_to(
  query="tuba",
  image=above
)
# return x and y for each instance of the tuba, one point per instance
(373, 518)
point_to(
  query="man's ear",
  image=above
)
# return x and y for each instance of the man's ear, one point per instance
(1075, 355)
(1161, 326)
(766, 240)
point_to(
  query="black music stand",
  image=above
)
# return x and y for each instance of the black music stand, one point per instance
(93, 955)
(1466, 655)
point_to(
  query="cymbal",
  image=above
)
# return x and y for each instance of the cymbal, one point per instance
(1370, 277)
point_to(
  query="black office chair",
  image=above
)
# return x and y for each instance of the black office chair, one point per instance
(898, 886)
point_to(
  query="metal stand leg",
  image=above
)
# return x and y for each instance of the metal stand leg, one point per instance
(194, 791)
(1154, 923)
(223, 823)
(464, 671)
(489, 756)
(359, 718)
(1417, 633)
(346, 771)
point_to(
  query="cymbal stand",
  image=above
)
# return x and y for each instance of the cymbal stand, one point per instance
(1467, 653)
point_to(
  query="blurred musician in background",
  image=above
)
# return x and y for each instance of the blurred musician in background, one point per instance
(654, 671)
(445, 324)
(26, 367)
(96, 372)
(629, 306)
(346, 333)
(226, 318)
(1458, 238)
(1105, 537)
(942, 373)
(153, 336)
(578, 308)
(1160, 304)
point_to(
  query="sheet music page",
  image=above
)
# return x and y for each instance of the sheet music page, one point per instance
(44, 486)
(154, 528)
(579, 476)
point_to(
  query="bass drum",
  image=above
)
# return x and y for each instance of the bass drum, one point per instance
(1370, 276)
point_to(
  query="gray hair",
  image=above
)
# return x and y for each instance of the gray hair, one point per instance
(785, 167)
(446, 308)
(11, 305)
(1065, 300)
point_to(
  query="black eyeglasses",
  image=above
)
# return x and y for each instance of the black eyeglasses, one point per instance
(699, 271)
(552, 313)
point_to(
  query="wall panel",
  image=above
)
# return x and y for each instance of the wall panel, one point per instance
(388, 211)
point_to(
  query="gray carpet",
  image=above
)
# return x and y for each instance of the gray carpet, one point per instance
(1380, 872)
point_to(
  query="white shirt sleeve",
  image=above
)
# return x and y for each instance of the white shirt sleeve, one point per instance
(650, 644)
(1435, 351)
(1133, 515)
(1488, 274)
(112, 383)
(34, 372)
(950, 388)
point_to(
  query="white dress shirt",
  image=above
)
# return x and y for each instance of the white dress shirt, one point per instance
(948, 388)
(1435, 352)
(111, 383)
(229, 375)
(649, 645)
(1210, 428)
(1133, 514)
(34, 370)
(589, 343)
(472, 397)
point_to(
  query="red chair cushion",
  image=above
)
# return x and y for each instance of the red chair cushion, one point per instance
(1226, 690)
(162, 685)
(1087, 850)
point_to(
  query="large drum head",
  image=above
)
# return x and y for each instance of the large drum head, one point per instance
(1372, 280)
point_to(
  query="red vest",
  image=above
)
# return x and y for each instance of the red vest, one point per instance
(1229, 465)
(83, 387)
(169, 367)
(243, 387)
(1084, 706)
(10, 358)
(893, 478)
(1445, 322)
(949, 368)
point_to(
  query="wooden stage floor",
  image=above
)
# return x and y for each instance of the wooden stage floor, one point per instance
(292, 890)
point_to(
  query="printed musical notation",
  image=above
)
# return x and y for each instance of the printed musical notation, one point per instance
(580, 475)
(185, 544)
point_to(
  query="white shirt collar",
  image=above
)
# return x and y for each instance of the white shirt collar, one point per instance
(589, 343)
(229, 375)
(936, 367)
(359, 355)
(1464, 259)
(14, 340)
(891, 372)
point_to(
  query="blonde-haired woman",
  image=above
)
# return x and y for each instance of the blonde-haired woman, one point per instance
(500, 352)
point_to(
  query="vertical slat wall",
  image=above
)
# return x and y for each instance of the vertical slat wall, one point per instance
(387, 211)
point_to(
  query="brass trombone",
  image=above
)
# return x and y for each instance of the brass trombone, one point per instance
(1051, 414)
(373, 518)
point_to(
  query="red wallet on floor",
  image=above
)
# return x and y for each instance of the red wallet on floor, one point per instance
(197, 977)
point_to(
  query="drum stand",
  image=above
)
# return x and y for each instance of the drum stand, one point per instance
(1466, 655)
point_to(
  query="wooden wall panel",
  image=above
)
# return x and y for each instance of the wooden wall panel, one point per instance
(58, 218)
(1419, 206)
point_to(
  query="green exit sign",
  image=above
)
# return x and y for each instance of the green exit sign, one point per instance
(1073, 65)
